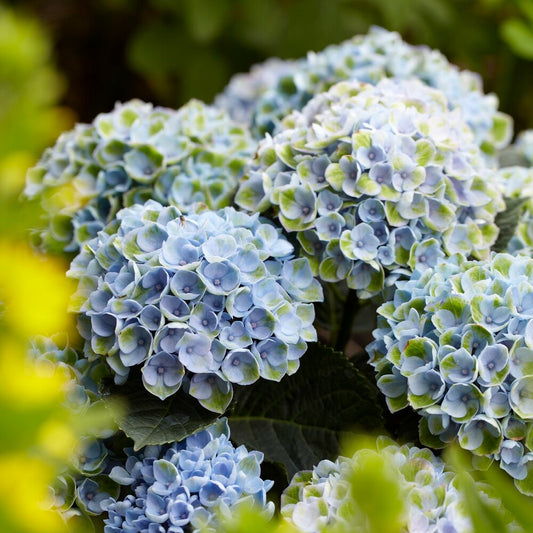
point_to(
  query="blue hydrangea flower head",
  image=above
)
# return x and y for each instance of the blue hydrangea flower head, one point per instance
(376, 181)
(321, 499)
(198, 301)
(273, 90)
(456, 344)
(185, 486)
(189, 157)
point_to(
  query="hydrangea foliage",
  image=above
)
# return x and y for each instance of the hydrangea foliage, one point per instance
(204, 300)
(517, 183)
(524, 146)
(520, 153)
(273, 90)
(187, 157)
(456, 344)
(376, 181)
(321, 499)
(186, 486)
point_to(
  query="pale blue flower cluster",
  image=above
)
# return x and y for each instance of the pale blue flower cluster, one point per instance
(456, 344)
(376, 181)
(191, 156)
(186, 486)
(85, 376)
(244, 91)
(321, 499)
(272, 91)
(204, 300)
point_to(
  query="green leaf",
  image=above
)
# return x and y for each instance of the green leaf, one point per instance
(519, 36)
(296, 446)
(148, 420)
(206, 18)
(507, 221)
(302, 419)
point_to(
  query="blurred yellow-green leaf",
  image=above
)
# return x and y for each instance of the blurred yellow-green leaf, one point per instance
(519, 35)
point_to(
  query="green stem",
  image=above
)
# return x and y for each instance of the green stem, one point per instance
(351, 305)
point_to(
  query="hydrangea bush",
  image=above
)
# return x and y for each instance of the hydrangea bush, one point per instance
(319, 499)
(200, 253)
(136, 152)
(455, 344)
(376, 181)
(213, 299)
(273, 90)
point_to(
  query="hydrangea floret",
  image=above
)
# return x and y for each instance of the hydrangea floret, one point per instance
(320, 499)
(186, 486)
(456, 344)
(376, 181)
(202, 300)
(270, 92)
(191, 156)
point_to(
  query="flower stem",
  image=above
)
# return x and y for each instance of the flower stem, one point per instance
(351, 305)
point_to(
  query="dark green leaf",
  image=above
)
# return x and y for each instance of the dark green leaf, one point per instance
(297, 447)
(149, 420)
(303, 419)
(507, 221)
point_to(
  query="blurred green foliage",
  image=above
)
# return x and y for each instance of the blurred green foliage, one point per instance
(38, 433)
(29, 88)
(190, 48)
(30, 119)
(168, 51)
